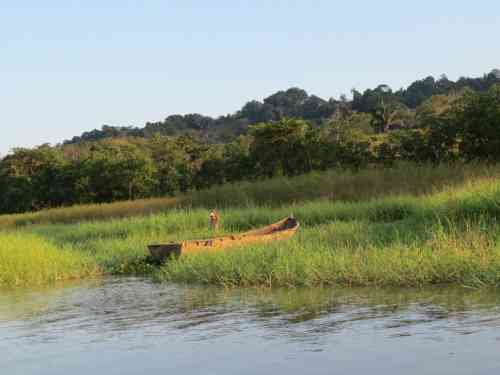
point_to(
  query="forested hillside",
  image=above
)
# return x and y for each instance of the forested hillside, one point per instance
(294, 102)
(289, 133)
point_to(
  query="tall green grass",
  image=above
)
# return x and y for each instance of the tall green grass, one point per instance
(394, 227)
(354, 254)
(334, 186)
(31, 260)
(466, 202)
(401, 240)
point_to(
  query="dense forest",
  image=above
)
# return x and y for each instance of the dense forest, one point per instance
(288, 133)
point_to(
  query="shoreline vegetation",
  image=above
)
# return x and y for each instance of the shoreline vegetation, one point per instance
(403, 226)
(459, 127)
(26, 259)
(334, 186)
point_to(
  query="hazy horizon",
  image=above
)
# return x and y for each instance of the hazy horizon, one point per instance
(73, 66)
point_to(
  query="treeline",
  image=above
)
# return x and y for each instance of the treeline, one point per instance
(297, 103)
(458, 127)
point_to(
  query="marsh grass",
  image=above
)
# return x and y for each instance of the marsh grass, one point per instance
(31, 260)
(348, 255)
(443, 230)
(331, 186)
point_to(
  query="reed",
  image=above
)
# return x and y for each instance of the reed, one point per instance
(334, 186)
(354, 254)
(31, 260)
(445, 233)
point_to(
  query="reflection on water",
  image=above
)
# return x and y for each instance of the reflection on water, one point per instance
(163, 324)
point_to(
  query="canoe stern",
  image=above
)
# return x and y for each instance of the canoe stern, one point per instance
(162, 252)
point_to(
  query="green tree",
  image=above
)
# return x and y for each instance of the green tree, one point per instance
(477, 118)
(280, 147)
(389, 114)
(211, 171)
(238, 163)
(116, 171)
(344, 142)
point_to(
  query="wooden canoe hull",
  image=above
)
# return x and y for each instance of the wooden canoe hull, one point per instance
(280, 230)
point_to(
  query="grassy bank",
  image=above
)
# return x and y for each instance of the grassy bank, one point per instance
(31, 260)
(334, 186)
(355, 254)
(434, 233)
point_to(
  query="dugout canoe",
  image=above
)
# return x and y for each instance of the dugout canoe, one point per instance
(280, 230)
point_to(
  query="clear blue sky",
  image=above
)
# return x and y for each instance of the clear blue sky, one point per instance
(71, 66)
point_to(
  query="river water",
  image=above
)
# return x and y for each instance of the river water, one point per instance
(133, 326)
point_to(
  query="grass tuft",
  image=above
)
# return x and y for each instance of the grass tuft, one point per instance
(31, 260)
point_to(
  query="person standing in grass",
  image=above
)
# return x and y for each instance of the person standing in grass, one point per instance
(214, 218)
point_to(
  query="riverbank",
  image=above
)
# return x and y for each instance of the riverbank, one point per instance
(447, 236)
